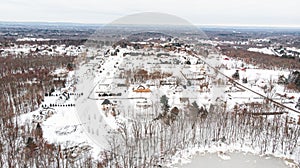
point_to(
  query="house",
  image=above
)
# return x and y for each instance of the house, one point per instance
(106, 104)
(66, 95)
(104, 87)
(236, 75)
(109, 107)
(143, 104)
(179, 88)
(168, 81)
(184, 100)
(142, 89)
(282, 80)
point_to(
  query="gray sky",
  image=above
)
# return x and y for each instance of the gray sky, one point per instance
(207, 12)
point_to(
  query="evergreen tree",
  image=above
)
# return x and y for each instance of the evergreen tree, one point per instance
(165, 103)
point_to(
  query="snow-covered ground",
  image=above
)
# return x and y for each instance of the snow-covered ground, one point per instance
(82, 118)
(289, 51)
(51, 50)
(34, 39)
(268, 51)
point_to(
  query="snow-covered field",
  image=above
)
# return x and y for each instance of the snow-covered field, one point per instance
(289, 51)
(263, 50)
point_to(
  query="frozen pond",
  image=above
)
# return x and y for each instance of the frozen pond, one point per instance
(237, 160)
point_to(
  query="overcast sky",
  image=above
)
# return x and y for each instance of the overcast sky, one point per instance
(200, 12)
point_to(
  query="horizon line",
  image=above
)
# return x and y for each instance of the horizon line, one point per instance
(196, 24)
